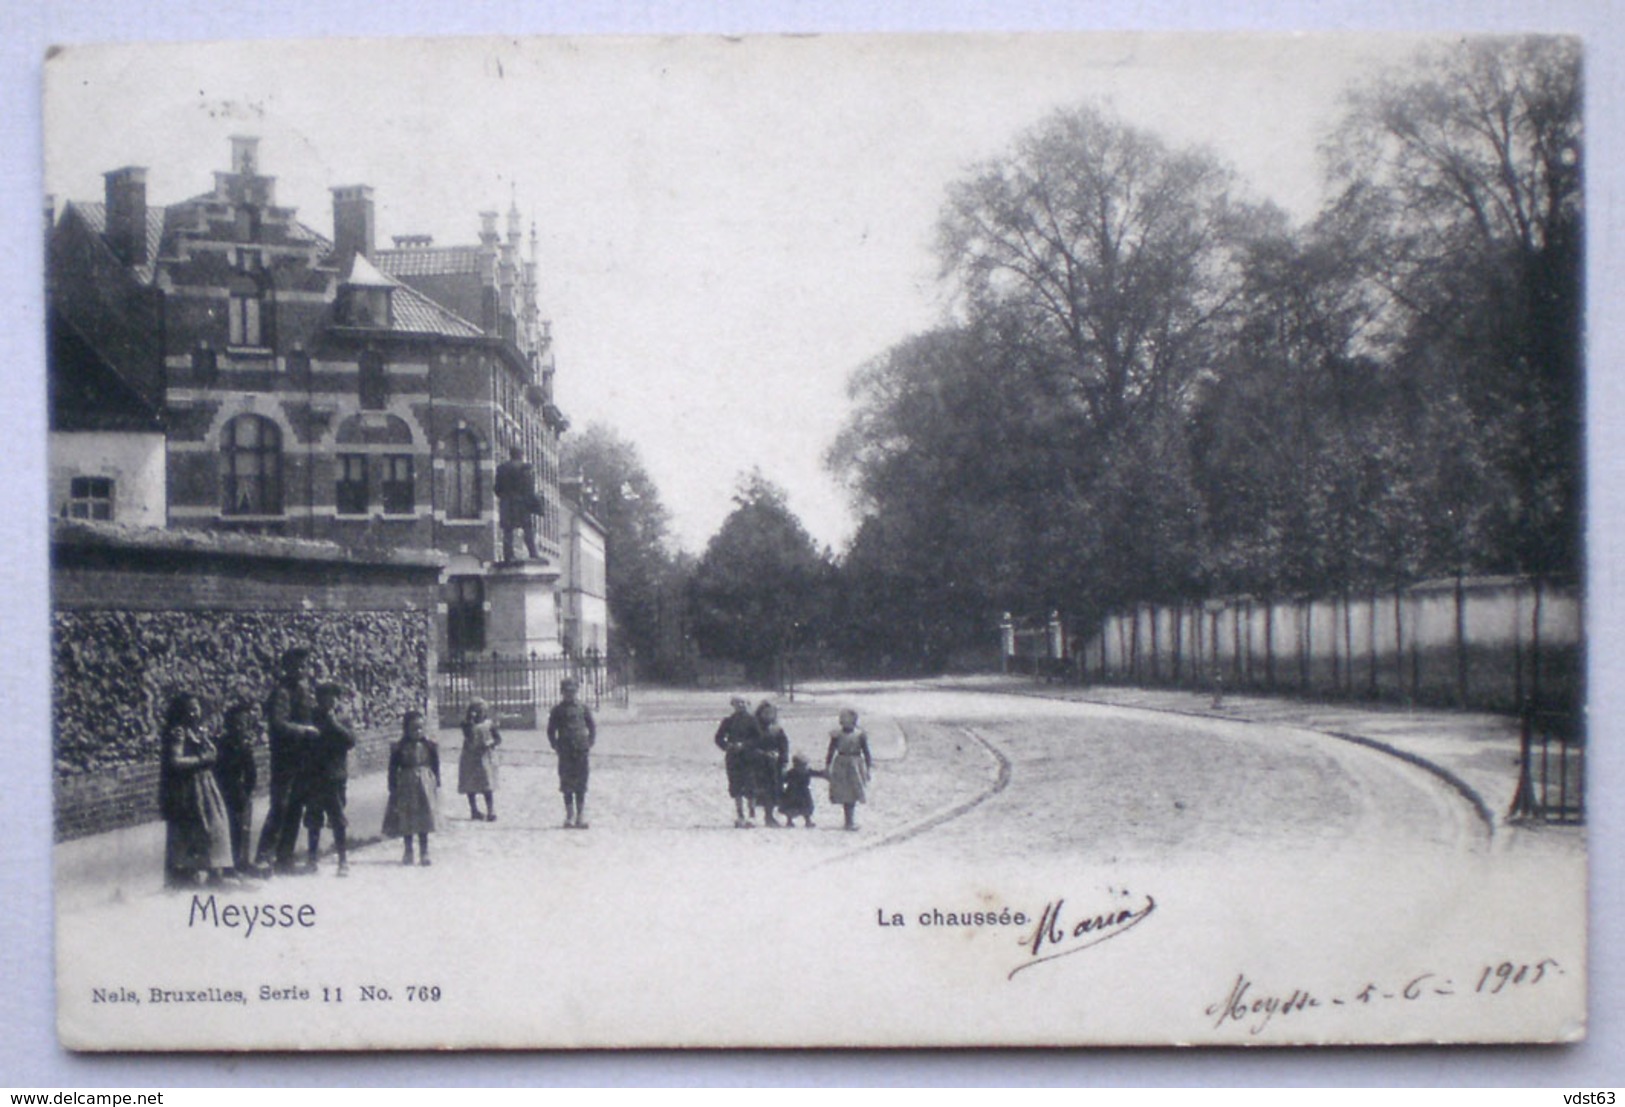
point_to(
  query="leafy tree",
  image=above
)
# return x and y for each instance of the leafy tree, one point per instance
(759, 590)
(1298, 440)
(1461, 177)
(1031, 455)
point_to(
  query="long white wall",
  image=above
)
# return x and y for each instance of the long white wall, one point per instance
(1484, 640)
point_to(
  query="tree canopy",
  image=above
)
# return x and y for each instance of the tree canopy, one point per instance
(760, 588)
(1154, 390)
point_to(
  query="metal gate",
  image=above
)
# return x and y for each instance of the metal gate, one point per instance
(1551, 779)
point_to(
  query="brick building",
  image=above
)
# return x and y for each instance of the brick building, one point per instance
(315, 387)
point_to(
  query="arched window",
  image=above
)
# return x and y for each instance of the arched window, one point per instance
(463, 475)
(251, 467)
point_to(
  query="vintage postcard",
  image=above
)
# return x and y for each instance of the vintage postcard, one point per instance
(817, 541)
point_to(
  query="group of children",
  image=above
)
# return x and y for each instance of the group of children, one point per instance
(755, 751)
(207, 784)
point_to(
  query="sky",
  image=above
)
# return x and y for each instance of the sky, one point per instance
(727, 227)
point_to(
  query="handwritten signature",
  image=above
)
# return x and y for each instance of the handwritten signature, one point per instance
(1058, 935)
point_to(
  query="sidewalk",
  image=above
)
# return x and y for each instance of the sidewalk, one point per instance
(1476, 753)
(119, 864)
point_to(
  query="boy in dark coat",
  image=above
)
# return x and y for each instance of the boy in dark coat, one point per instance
(237, 775)
(571, 732)
(739, 736)
(329, 769)
(290, 717)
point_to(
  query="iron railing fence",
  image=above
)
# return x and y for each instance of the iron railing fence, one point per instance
(520, 690)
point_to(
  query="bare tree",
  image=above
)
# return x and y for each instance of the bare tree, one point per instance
(1115, 247)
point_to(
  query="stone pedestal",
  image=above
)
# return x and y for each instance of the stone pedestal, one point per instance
(524, 615)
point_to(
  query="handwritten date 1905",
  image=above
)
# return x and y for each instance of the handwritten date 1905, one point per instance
(1256, 1009)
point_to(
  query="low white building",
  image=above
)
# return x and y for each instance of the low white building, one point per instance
(583, 591)
(106, 439)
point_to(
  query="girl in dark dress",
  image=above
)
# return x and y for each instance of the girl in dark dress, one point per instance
(772, 754)
(414, 789)
(797, 798)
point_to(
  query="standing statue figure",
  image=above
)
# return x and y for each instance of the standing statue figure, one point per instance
(517, 502)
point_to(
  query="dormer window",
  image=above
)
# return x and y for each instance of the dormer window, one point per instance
(367, 294)
(369, 307)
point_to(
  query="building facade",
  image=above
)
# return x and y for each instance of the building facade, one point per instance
(316, 387)
(583, 591)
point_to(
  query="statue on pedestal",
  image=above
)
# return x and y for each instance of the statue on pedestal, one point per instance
(518, 505)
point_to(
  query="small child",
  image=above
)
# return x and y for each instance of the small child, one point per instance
(477, 766)
(414, 788)
(329, 767)
(797, 798)
(237, 775)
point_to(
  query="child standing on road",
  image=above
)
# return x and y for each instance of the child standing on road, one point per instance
(237, 774)
(797, 797)
(771, 755)
(414, 788)
(571, 732)
(739, 736)
(329, 778)
(477, 766)
(849, 765)
(198, 844)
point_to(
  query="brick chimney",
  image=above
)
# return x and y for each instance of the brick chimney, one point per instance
(352, 224)
(127, 214)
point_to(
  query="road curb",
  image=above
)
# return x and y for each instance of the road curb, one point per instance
(1001, 781)
(1468, 792)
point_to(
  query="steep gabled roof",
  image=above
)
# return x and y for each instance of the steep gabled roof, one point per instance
(297, 230)
(86, 392)
(95, 217)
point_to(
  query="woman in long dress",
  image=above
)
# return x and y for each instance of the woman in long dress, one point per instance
(197, 845)
(849, 765)
(414, 788)
(477, 766)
